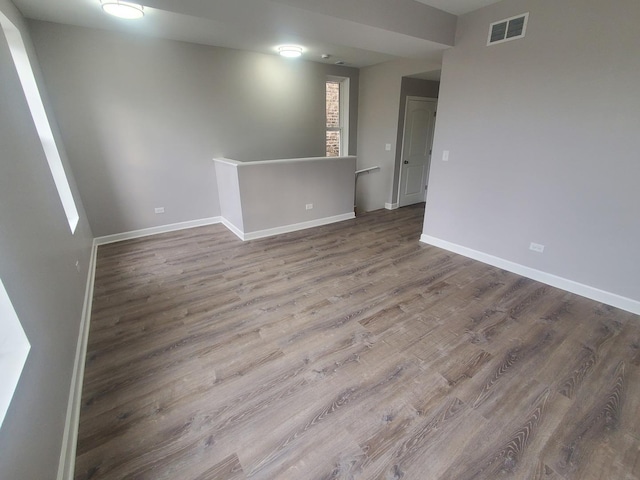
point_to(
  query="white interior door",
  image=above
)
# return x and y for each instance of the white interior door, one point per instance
(419, 122)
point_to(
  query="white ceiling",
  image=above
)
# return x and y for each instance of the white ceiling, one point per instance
(258, 25)
(458, 7)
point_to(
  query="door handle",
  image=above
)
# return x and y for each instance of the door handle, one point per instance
(406, 162)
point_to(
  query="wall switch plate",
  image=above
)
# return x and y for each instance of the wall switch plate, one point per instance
(387, 147)
(445, 156)
(159, 210)
(536, 247)
(309, 206)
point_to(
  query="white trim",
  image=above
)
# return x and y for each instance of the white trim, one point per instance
(235, 230)
(297, 226)
(66, 464)
(172, 227)
(593, 293)
(344, 116)
(391, 206)
(119, 237)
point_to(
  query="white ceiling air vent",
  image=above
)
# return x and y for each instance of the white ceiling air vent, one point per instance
(508, 29)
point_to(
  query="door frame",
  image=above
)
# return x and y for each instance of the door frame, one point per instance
(404, 126)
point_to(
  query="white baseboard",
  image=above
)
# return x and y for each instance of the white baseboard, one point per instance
(66, 465)
(587, 291)
(391, 206)
(235, 230)
(172, 227)
(296, 226)
(119, 237)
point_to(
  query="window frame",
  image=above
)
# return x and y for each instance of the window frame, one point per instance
(343, 113)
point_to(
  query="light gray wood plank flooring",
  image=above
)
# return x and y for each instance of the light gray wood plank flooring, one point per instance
(349, 351)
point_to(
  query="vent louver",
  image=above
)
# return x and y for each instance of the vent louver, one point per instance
(508, 29)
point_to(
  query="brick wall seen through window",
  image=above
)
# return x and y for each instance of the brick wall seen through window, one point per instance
(334, 124)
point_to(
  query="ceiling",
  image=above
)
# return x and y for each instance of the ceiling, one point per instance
(341, 29)
(458, 7)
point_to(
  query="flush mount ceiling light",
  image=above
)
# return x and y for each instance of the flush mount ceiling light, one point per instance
(123, 9)
(290, 51)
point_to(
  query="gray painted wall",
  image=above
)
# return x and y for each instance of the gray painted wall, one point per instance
(379, 104)
(229, 193)
(37, 265)
(272, 195)
(275, 194)
(543, 140)
(142, 118)
(410, 87)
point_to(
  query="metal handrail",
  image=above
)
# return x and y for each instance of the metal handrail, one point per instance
(358, 173)
(366, 170)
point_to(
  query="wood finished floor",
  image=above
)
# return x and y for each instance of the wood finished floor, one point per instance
(349, 351)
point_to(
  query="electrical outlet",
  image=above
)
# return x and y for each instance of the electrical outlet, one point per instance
(445, 156)
(536, 247)
(387, 147)
(159, 210)
(309, 206)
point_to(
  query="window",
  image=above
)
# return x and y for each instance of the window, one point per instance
(337, 114)
(14, 348)
(39, 115)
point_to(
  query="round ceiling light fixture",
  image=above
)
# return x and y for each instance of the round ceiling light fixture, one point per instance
(122, 9)
(290, 51)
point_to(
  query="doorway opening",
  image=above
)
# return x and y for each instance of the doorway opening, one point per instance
(420, 119)
(416, 125)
